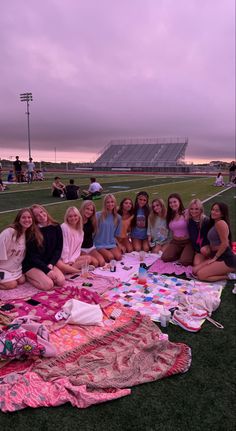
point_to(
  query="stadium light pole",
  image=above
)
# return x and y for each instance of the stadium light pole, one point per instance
(27, 97)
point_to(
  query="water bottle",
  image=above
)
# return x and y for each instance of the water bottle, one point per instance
(142, 274)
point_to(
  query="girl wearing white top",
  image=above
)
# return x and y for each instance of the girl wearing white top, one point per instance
(12, 249)
(73, 235)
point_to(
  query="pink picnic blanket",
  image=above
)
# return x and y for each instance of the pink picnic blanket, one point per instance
(170, 268)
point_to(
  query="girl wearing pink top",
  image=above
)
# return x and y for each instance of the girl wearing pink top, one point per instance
(180, 247)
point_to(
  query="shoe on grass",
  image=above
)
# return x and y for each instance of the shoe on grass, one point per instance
(186, 321)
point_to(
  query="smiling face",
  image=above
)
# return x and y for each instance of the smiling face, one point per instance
(157, 208)
(26, 220)
(174, 204)
(127, 205)
(88, 211)
(110, 204)
(72, 218)
(216, 213)
(195, 212)
(142, 201)
(41, 216)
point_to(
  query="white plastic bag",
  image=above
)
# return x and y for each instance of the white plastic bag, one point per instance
(81, 313)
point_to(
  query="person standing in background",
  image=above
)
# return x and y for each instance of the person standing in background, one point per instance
(30, 170)
(232, 171)
(18, 169)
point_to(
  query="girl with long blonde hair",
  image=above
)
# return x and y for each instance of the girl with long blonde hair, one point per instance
(109, 228)
(72, 230)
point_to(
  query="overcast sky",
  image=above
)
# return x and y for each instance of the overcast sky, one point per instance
(102, 69)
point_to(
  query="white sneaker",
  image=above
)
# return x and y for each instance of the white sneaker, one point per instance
(186, 321)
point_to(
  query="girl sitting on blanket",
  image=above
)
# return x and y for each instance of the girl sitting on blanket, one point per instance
(12, 248)
(180, 247)
(88, 213)
(158, 233)
(140, 222)
(109, 227)
(220, 259)
(126, 210)
(43, 252)
(72, 230)
(198, 226)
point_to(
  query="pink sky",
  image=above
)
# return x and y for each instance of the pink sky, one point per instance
(105, 69)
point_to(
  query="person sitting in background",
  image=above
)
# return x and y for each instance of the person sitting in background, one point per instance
(94, 189)
(10, 176)
(58, 188)
(39, 175)
(2, 187)
(219, 182)
(71, 191)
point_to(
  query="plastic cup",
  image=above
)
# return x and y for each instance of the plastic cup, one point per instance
(142, 256)
(84, 270)
(165, 318)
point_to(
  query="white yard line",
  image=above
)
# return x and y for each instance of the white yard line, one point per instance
(217, 194)
(121, 191)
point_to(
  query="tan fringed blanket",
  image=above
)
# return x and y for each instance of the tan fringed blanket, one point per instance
(96, 364)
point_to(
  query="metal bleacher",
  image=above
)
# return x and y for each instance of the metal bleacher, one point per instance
(142, 153)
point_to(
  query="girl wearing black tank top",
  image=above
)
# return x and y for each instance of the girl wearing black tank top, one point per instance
(221, 259)
(88, 213)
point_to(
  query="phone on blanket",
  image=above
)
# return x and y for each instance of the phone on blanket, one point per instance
(7, 307)
(2, 275)
(33, 302)
(73, 277)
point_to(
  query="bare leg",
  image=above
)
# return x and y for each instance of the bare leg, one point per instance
(38, 279)
(116, 253)
(214, 271)
(137, 244)
(98, 257)
(107, 255)
(145, 245)
(8, 285)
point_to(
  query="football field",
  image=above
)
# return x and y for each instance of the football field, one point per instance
(24, 195)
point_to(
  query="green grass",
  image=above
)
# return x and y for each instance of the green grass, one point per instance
(201, 399)
(188, 187)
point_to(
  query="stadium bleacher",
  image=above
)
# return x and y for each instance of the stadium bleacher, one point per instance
(147, 154)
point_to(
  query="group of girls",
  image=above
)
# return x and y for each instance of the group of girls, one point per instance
(38, 249)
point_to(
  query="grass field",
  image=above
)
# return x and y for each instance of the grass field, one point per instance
(201, 399)
(188, 187)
